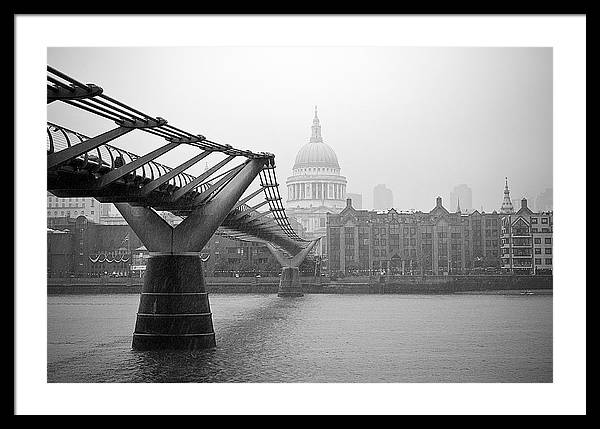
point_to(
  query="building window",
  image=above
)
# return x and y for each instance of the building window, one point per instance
(537, 240)
(545, 220)
(548, 240)
(534, 220)
(548, 261)
(548, 251)
(538, 251)
(538, 261)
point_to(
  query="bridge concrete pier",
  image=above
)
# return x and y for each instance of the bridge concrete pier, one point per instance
(289, 283)
(174, 312)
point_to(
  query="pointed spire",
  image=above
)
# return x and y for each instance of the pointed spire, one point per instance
(316, 129)
(507, 206)
(458, 206)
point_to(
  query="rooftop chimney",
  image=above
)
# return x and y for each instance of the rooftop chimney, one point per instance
(348, 202)
(524, 203)
(438, 202)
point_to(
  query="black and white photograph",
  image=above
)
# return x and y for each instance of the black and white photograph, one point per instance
(298, 215)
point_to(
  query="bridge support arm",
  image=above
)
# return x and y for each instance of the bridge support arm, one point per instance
(297, 259)
(289, 282)
(154, 231)
(193, 233)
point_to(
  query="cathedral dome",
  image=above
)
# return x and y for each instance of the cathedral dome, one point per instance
(316, 188)
(316, 153)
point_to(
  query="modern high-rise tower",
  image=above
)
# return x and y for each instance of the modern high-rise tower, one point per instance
(463, 194)
(383, 198)
(543, 202)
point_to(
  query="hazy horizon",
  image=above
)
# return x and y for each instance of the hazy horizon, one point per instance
(419, 120)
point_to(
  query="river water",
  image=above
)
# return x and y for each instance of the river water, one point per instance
(315, 338)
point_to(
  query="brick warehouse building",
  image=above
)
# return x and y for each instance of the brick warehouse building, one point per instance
(81, 248)
(413, 243)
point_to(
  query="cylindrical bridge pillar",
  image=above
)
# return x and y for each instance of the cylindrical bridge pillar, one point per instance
(289, 284)
(174, 312)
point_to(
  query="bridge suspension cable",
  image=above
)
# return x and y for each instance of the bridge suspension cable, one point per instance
(65, 88)
(118, 175)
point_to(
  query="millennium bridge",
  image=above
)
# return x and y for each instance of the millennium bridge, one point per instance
(174, 310)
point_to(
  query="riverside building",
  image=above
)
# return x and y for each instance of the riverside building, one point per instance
(437, 242)
(527, 241)
(75, 207)
(78, 247)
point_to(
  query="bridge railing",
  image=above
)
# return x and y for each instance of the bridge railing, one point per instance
(108, 157)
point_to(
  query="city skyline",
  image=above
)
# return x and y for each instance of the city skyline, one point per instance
(429, 120)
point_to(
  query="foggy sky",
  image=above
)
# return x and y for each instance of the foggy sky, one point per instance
(419, 120)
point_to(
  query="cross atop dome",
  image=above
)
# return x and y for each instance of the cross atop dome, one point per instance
(316, 130)
(316, 153)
